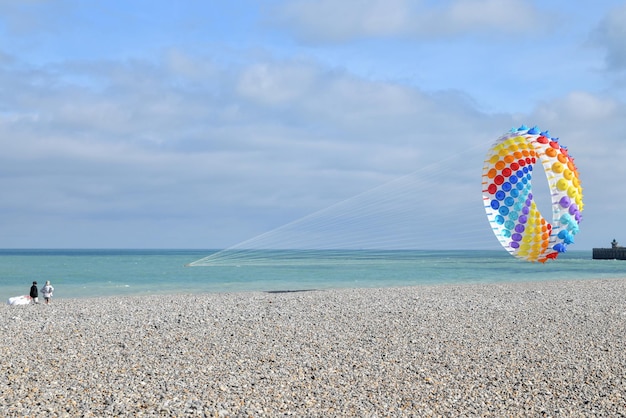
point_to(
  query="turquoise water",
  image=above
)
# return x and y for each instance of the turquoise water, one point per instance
(94, 273)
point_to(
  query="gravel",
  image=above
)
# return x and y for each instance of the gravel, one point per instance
(525, 349)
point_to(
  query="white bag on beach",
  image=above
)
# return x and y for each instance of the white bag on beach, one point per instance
(19, 300)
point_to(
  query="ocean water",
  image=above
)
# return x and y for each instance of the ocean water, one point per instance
(96, 273)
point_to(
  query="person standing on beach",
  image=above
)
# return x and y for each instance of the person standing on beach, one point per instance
(46, 291)
(34, 293)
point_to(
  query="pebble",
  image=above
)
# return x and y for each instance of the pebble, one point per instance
(523, 349)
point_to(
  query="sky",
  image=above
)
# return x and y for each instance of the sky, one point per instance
(201, 124)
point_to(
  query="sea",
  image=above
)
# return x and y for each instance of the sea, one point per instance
(113, 273)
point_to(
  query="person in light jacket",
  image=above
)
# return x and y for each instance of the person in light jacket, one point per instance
(46, 291)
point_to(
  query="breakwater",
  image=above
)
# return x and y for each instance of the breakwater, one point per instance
(618, 253)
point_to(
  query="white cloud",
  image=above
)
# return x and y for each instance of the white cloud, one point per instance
(500, 15)
(276, 84)
(189, 68)
(330, 21)
(279, 139)
(581, 109)
(611, 35)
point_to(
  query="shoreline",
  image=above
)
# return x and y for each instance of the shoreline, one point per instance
(514, 349)
(278, 290)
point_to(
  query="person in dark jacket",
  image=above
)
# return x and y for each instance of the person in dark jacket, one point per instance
(34, 293)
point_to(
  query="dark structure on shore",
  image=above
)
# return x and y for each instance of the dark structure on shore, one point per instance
(616, 252)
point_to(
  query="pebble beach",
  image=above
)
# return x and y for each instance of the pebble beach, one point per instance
(518, 349)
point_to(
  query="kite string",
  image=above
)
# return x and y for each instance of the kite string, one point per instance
(357, 212)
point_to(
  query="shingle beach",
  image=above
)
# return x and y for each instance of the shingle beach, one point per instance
(531, 349)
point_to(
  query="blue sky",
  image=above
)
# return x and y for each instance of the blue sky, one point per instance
(200, 124)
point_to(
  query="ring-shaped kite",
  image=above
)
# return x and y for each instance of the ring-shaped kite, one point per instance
(509, 201)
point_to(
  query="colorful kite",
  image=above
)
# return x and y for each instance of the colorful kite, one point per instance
(509, 200)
